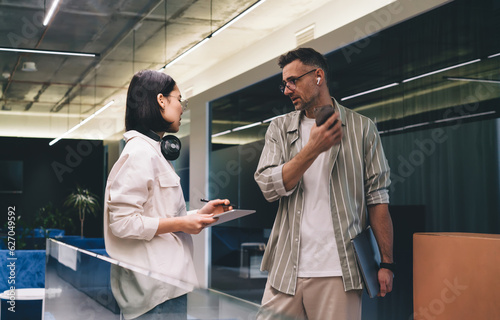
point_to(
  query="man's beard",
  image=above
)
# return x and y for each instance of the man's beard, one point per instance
(303, 106)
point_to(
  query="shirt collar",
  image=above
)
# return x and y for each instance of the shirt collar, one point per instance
(295, 122)
(131, 134)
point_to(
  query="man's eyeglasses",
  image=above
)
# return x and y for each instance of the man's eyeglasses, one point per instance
(290, 84)
(183, 102)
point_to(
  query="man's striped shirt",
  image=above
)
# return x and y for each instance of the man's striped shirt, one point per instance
(359, 177)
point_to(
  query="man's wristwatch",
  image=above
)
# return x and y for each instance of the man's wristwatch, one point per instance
(390, 266)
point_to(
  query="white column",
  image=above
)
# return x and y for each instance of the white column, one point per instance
(199, 155)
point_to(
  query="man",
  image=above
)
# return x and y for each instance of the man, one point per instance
(326, 177)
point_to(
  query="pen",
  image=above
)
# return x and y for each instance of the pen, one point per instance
(229, 205)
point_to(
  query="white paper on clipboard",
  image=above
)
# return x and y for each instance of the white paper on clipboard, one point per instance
(230, 215)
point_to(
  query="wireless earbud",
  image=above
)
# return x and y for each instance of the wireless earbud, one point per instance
(318, 80)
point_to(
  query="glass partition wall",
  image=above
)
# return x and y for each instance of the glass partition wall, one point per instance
(432, 86)
(239, 123)
(82, 284)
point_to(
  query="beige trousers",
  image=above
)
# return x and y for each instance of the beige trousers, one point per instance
(314, 299)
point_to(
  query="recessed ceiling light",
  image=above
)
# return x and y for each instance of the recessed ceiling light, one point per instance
(29, 67)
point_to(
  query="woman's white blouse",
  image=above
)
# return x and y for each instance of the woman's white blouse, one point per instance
(143, 187)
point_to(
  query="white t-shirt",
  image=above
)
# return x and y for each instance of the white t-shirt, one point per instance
(318, 256)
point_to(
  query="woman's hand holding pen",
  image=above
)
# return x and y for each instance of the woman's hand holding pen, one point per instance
(206, 215)
(195, 223)
(215, 206)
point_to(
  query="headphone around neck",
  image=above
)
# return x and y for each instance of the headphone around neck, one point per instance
(170, 145)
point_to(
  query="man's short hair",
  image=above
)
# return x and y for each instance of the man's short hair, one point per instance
(307, 56)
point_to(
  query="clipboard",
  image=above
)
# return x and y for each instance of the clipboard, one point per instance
(230, 215)
(368, 258)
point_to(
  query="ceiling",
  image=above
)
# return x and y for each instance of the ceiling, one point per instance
(131, 35)
(128, 36)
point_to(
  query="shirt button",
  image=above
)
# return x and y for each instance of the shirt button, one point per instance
(295, 267)
(298, 212)
(296, 239)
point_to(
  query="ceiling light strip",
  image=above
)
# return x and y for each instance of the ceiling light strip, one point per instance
(271, 119)
(407, 127)
(437, 121)
(237, 129)
(230, 22)
(424, 75)
(494, 55)
(472, 79)
(369, 91)
(464, 117)
(391, 130)
(82, 123)
(185, 53)
(221, 133)
(441, 70)
(51, 12)
(238, 17)
(54, 52)
(247, 126)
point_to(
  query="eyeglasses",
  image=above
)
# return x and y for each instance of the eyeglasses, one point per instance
(183, 102)
(290, 84)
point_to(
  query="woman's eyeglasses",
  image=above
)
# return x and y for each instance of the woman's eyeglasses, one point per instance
(183, 102)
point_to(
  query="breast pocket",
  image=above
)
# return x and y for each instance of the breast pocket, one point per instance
(170, 199)
(169, 180)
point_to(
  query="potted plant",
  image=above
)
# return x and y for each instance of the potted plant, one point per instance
(22, 235)
(49, 217)
(84, 201)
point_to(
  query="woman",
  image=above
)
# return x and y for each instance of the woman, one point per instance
(145, 220)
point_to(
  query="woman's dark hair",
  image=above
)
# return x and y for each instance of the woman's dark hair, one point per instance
(143, 110)
(307, 56)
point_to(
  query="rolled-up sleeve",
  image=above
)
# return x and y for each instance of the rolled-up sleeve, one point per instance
(269, 174)
(128, 192)
(377, 171)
